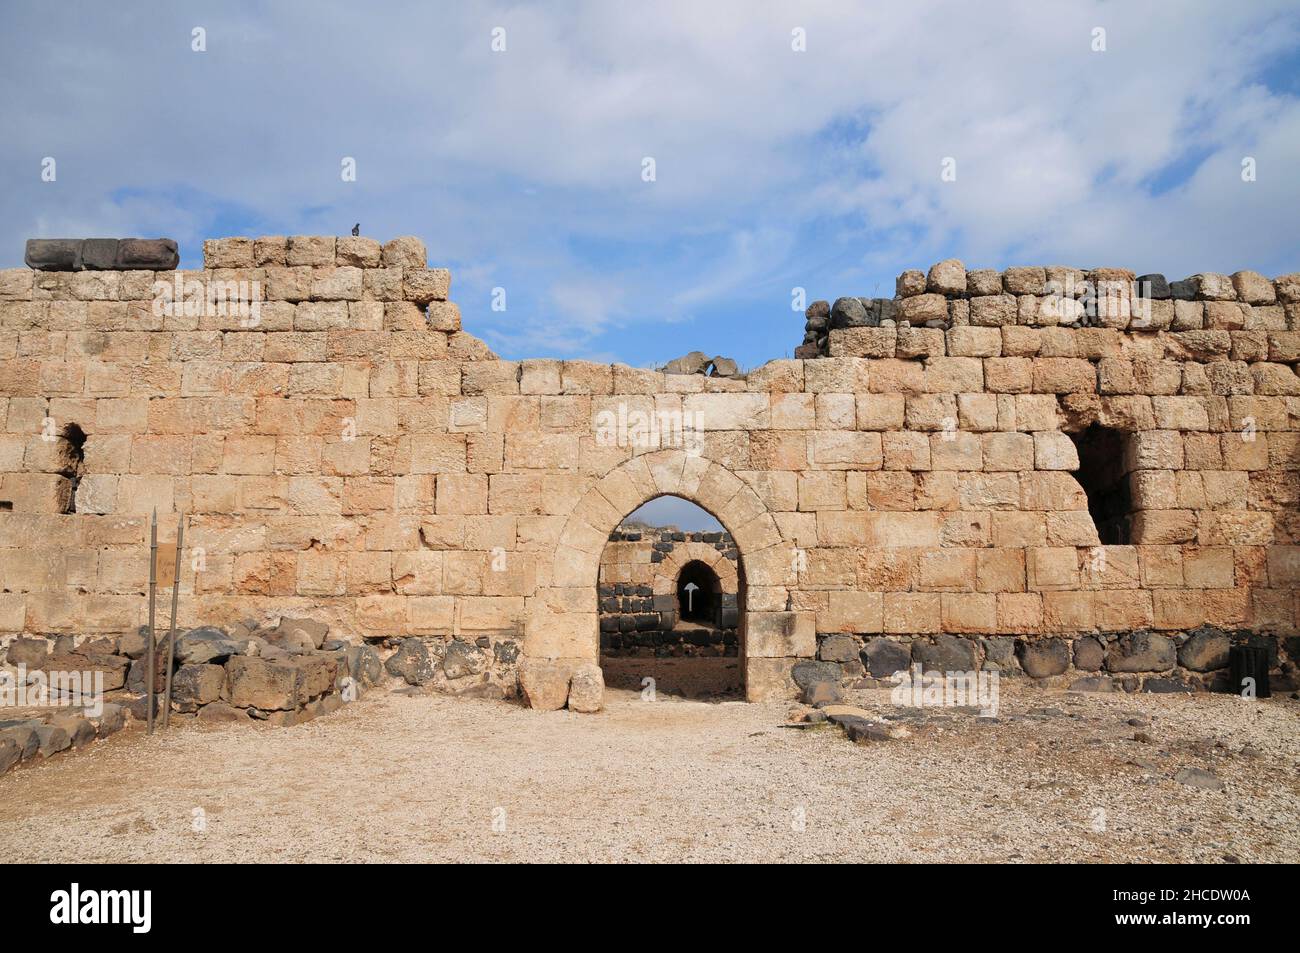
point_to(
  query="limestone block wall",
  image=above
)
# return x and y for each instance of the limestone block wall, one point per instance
(640, 576)
(349, 453)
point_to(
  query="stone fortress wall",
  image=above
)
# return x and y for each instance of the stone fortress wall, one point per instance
(350, 454)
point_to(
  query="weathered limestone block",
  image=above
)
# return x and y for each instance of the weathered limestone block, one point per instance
(912, 282)
(921, 308)
(309, 250)
(545, 684)
(357, 251)
(336, 284)
(863, 342)
(948, 277)
(972, 341)
(984, 281)
(781, 634)
(1055, 451)
(1213, 287)
(993, 310)
(1025, 280)
(586, 688)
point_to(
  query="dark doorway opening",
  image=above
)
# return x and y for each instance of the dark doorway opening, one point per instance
(1103, 478)
(699, 594)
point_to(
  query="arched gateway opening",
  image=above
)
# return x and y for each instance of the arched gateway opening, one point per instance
(669, 602)
(771, 635)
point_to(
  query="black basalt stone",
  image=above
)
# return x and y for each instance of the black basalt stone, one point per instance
(99, 254)
(53, 254)
(147, 254)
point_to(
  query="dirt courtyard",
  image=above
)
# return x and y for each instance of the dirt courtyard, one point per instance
(1056, 777)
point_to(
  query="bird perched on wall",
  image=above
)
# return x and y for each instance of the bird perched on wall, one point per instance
(356, 229)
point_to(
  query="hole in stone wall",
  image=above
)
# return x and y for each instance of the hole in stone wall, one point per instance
(1101, 474)
(670, 592)
(72, 454)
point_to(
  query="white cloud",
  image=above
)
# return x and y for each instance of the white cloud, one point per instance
(523, 168)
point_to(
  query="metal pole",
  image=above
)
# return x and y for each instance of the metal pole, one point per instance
(171, 637)
(153, 584)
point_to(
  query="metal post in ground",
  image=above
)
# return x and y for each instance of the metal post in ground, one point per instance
(150, 670)
(171, 636)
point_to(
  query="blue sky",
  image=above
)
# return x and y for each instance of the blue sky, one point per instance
(775, 168)
(674, 511)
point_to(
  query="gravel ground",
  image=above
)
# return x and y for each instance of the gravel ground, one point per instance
(394, 777)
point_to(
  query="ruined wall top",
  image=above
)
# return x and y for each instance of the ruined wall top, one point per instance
(1053, 296)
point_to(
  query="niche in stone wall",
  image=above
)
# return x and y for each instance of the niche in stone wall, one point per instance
(1103, 478)
(71, 455)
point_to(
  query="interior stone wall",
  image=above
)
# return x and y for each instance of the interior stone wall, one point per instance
(640, 572)
(352, 454)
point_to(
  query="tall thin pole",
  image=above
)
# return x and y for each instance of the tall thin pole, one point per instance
(171, 637)
(153, 585)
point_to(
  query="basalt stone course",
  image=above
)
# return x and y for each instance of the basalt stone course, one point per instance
(355, 455)
(1043, 658)
(101, 254)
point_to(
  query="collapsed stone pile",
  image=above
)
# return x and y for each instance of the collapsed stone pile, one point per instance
(697, 362)
(949, 296)
(43, 735)
(283, 674)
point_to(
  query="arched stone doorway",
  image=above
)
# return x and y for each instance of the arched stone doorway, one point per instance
(669, 597)
(562, 619)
